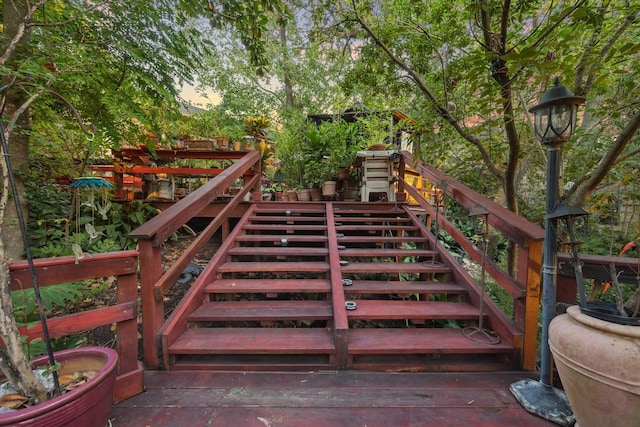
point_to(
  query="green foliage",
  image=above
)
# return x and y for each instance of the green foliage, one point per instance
(452, 78)
(54, 297)
(38, 347)
(52, 233)
(24, 302)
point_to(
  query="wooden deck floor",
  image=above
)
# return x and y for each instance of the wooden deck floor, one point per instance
(329, 398)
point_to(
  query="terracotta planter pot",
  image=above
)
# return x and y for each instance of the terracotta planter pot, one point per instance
(87, 405)
(223, 143)
(598, 365)
(293, 195)
(304, 195)
(329, 188)
(316, 194)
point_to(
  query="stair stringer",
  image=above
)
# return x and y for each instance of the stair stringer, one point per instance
(499, 322)
(177, 323)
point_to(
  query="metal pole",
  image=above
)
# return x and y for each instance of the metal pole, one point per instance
(550, 260)
(541, 398)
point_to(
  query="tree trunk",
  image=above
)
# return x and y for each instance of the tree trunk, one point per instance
(288, 89)
(13, 361)
(13, 13)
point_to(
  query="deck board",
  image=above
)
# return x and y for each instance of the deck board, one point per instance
(385, 309)
(395, 267)
(262, 310)
(423, 340)
(325, 398)
(225, 286)
(254, 341)
(402, 286)
(243, 267)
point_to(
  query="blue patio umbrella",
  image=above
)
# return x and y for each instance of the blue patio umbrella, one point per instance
(91, 182)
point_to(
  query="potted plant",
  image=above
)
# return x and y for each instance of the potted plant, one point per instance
(87, 375)
(257, 126)
(596, 350)
(317, 173)
(90, 402)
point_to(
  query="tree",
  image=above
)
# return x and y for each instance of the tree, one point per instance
(112, 69)
(478, 69)
(303, 74)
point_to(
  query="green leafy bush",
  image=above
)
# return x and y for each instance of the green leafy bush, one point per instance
(102, 226)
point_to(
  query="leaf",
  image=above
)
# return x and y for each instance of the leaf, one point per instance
(13, 401)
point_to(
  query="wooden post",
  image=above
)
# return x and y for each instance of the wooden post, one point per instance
(152, 308)
(130, 380)
(341, 323)
(526, 312)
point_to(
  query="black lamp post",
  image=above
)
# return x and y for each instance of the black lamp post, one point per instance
(554, 122)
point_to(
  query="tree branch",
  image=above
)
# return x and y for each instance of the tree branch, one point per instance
(606, 163)
(441, 110)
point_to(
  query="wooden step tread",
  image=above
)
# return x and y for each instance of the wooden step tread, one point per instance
(254, 341)
(285, 218)
(244, 267)
(395, 267)
(226, 286)
(372, 220)
(262, 310)
(420, 340)
(278, 251)
(403, 286)
(277, 238)
(284, 227)
(318, 212)
(367, 212)
(368, 227)
(381, 239)
(382, 253)
(384, 309)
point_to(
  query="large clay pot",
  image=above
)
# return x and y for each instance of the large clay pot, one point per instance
(316, 194)
(87, 405)
(329, 188)
(304, 195)
(293, 195)
(599, 366)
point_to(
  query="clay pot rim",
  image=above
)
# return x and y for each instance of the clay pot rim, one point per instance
(603, 325)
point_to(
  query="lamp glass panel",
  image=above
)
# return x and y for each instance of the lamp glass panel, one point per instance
(562, 120)
(541, 123)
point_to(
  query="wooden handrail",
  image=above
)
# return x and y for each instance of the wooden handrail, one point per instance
(123, 265)
(512, 226)
(162, 226)
(596, 267)
(173, 273)
(528, 237)
(154, 282)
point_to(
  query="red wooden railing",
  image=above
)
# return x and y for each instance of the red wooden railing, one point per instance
(154, 282)
(596, 267)
(525, 287)
(123, 265)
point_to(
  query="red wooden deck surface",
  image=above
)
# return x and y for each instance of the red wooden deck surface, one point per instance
(331, 398)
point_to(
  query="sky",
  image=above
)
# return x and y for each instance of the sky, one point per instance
(190, 94)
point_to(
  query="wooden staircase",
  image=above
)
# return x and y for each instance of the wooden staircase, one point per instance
(331, 286)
